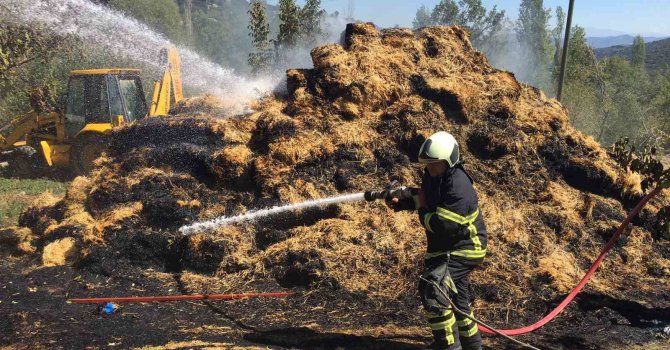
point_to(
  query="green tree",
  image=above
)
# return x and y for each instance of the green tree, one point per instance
(446, 12)
(289, 27)
(627, 114)
(533, 35)
(661, 103)
(160, 15)
(614, 98)
(32, 58)
(422, 18)
(583, 92)
(638, 53)
(21, 45)
(220, 32)
(211, 33)
(471, 14)
(310, 22)
(557, 36)
(259, 28)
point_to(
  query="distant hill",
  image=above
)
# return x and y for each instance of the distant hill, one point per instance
(607, 41)
(658, 53)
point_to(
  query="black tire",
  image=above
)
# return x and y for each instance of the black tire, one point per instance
(23, 163)
(85, 149)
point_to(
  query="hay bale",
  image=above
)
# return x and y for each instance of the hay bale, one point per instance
(561, 269)
(60, 252)
(17, 240)
(227, 251)
(46, 210)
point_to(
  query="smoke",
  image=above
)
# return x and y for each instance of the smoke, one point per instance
(332, 28)
(504, 51)
(123, 37)
(299, 56)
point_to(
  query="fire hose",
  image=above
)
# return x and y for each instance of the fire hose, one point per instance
(584, 279)
(177, 298)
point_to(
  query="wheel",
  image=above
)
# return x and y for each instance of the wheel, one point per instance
(85, 149)
(22, 163)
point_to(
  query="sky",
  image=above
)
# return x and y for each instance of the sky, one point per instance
(627, 16)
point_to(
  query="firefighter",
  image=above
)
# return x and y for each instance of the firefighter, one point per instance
(456, 240)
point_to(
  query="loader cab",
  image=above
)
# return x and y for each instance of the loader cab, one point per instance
(99, 96)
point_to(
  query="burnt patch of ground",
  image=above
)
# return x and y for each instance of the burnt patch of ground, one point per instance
(635, 314)
(38, 317)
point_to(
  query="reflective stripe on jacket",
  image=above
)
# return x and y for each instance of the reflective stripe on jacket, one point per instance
(452, 219)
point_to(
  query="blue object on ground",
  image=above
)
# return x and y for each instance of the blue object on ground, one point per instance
(110, 308)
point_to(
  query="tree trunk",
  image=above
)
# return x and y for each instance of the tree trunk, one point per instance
(187, 20)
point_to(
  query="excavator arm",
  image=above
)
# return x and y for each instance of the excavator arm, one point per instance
(169, 89)
(24, 126)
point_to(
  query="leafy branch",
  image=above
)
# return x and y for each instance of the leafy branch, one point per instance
(654, 175)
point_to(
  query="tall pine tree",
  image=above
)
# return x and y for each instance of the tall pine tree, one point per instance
(289, 28)
(639, 53)
(259, 27)
(310, 22)
(422, 18)
(533, 35)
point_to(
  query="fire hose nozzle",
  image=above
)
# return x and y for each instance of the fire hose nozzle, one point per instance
(372, 196)
(401, 193)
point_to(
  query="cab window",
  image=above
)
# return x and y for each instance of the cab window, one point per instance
(131, 90)
(87, 102)
(115, 104)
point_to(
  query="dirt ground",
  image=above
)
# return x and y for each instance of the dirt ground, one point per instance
(37, 316)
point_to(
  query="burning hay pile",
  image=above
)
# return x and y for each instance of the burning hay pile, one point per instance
(550, 195)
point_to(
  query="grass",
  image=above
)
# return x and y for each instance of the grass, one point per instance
(16, 194)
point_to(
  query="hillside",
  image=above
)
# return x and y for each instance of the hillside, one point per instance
(607, 41)
(658, 53)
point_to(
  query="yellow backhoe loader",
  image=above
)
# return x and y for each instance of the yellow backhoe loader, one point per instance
(97, 100)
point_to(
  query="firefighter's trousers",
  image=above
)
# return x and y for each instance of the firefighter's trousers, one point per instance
(452, 274)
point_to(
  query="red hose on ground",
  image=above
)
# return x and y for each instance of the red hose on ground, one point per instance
(586, 277)
(178, 297)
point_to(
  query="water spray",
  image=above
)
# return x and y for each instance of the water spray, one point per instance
(121, 36)
(400, 193)
(253, 215)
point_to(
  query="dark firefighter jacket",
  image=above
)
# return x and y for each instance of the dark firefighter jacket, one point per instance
(452, 219)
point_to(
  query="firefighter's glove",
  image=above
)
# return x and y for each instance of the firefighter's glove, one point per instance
(402, 198)
(402, 205)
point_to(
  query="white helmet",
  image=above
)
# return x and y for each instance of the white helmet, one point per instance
(440, 146)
